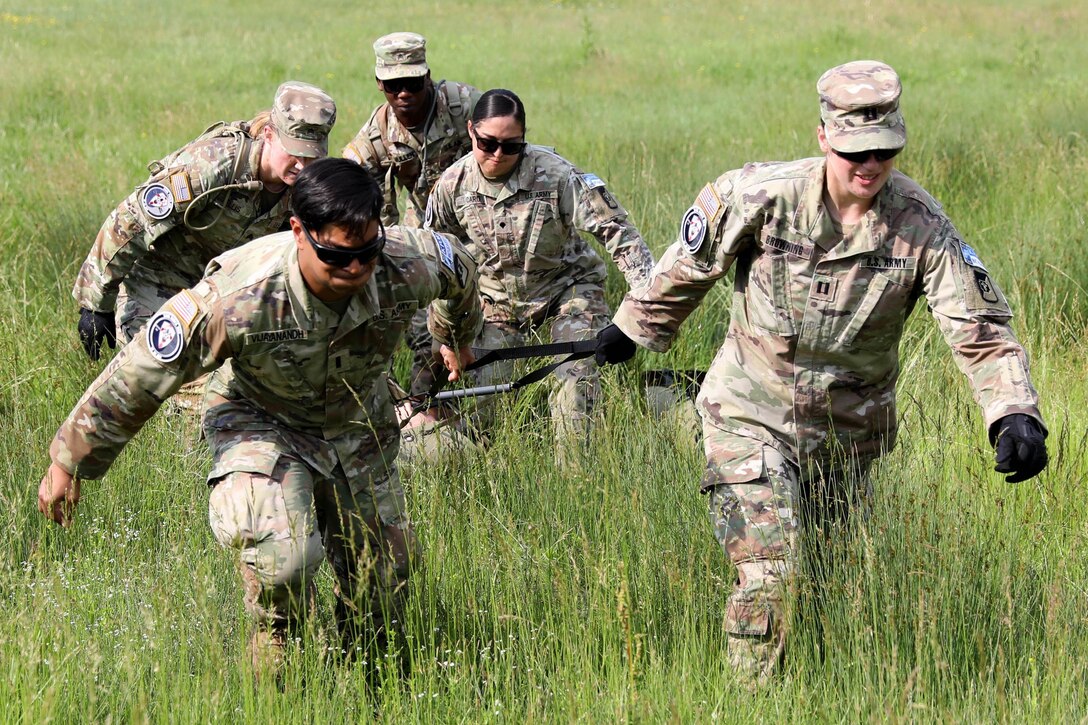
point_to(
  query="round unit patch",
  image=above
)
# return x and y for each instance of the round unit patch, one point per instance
(693, 229)
(165, 337)
(157, 201)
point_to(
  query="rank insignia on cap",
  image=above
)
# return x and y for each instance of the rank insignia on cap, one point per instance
(970, 257)
(592, 181)
(708, 201)
(179, 184)
(445, 250)
(693, 229)
(165, 337)
(157, 201)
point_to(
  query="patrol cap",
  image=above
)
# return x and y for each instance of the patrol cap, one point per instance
(400, 55)
(859, 105)
(303, 115)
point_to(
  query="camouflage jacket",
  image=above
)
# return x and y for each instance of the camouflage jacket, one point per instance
(812, 355)
(395, 157)
(525, 234)
(283, 360)
(145, 241)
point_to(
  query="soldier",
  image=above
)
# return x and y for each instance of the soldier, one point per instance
(408, 142)
(831, 255)
(520, 209)
(299, 328)
(223, 189)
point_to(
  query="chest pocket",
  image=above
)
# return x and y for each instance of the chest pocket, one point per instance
(477, 221)
(885, 299)
(544, 245)
(770, 300)
(282, 371)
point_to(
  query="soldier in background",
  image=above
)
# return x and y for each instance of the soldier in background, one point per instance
(408, 142)
(831, 255)
(521, 210)
(299, 328)
(223, 189)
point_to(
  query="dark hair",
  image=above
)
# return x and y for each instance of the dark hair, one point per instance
(336, 191)
(499, 102)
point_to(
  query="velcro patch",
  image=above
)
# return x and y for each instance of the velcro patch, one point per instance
(592, 181)
(165, 336)
(877, 262)
(181, 188)
(445, 250)
(709, 202)
(157, 201)
(693, 229)
(184, 305)
(275, 336)
(970, 257)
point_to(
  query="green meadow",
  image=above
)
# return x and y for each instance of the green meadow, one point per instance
(549, 596)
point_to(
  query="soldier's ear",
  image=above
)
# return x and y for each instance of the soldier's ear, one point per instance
(296, 229)
(821, 137)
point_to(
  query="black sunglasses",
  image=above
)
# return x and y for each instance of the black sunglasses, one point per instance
(412, 84)
(491, 145)
(341, 257)
(860, 157)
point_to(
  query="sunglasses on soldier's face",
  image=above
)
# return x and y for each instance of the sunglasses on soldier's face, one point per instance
(860, 157)
(491, 145)
(413, 84)
(341, 257)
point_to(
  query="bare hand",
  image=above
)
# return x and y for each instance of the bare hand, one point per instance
(455, 363)
(58, 495)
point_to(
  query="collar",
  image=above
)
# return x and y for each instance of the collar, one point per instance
(311, 313)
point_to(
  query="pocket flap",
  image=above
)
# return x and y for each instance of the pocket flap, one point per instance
(748, 618)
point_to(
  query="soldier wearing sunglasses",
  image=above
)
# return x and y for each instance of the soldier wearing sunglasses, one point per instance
(831, 254)
(299, 328)
(408, 142)
(522, 211)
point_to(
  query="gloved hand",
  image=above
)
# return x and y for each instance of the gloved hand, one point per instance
(95, 327)
(1020, 446)
(613, 346)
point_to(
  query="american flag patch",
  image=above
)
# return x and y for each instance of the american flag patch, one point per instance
(179, 184)
(708, 201)
(184, 306)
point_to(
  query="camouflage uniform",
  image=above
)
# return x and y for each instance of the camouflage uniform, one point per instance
(396, 156)
(800, 398)
(297, 415)
(159, 239)
(535, 268)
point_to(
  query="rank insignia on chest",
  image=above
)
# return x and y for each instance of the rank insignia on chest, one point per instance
(157, 201)
(165, 337)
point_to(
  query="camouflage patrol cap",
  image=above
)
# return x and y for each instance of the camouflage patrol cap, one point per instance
(400, 55)
(303, 115)
(859, 105)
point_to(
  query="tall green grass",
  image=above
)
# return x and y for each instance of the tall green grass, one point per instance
(548, 595)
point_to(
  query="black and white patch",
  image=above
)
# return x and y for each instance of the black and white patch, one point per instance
(693, 229)
(445, 250)
(428, 217)
(165, 337)
(157, 201)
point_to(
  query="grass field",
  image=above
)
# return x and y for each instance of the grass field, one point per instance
(544, 596)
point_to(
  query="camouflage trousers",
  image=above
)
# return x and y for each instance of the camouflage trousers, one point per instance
(763, 509)
(284, 521)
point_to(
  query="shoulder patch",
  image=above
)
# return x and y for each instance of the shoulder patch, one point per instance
(708, 201)
(970, 257)
(181, 188)
(445, 250)
(184, 306)
(428, 217)
(165, 337)
(157, 201)
(693, 229)
(592, 181)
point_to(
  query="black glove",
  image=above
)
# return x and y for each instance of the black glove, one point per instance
(1020, 446)
(95, 327)
(613, 346)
